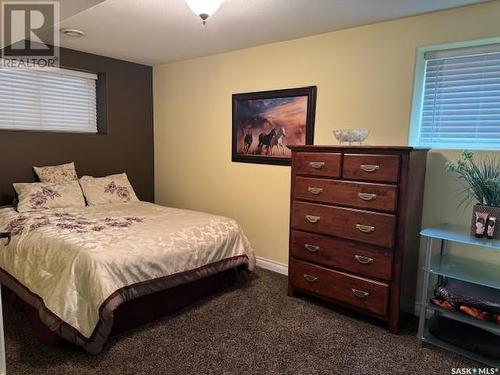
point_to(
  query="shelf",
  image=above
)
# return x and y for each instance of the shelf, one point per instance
(461, 235)
(461, 317)
(464, 269)
(469, 270)
(431, 339)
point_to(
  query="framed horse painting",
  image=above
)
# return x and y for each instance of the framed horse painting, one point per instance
(265, 122)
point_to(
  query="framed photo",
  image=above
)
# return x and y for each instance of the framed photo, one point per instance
(265, 122)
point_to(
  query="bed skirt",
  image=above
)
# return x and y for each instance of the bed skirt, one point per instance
(129, 306)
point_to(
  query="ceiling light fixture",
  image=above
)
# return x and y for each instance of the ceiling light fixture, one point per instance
(74, 33)
(204, 8)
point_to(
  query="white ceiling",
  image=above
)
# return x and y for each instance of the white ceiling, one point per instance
(161, 31)
(69, 8)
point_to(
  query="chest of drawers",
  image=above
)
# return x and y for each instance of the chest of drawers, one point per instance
(355, 217)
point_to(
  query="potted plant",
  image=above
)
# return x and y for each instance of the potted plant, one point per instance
(481, 180)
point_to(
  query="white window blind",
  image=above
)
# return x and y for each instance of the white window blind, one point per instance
(58, 101)
(460, 106)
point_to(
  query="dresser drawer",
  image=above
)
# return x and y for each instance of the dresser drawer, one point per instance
(364, 226)
(366, 294)
(371, 167)
(348, 193)
(343, 254)
(317, 164)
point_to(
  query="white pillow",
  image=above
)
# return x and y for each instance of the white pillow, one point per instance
(57, 174)
(105, 190)
(41, 196)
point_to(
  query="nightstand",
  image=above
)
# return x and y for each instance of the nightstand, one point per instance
(3, 370)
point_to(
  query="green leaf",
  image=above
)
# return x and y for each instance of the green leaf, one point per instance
(481, 179)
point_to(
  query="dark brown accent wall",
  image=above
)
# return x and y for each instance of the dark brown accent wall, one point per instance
(125, 146)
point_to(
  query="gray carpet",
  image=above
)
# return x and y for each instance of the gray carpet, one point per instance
(250, 328)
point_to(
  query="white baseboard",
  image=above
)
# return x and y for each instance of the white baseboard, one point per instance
(272, 265)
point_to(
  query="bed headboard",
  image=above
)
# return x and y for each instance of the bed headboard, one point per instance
(124, 144)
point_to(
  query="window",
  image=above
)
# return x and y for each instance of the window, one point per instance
(60, 101)
(457, 97)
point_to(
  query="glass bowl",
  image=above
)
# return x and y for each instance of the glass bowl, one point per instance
(351, 135)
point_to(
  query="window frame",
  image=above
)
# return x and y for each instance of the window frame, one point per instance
(418, 92)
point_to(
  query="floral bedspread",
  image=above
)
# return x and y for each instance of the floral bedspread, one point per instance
(74, 259)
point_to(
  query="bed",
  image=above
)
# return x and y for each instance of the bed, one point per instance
(88, 271)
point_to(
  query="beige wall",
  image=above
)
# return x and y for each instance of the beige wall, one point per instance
(364, 77)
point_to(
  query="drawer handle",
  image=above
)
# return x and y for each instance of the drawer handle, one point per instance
(367, 197)
(315, 190)
(312, 219)
(365, 228)
(312, 248)
(370, 168)
(317, 164)
(360, 293)
(310, 278)
(363, 260)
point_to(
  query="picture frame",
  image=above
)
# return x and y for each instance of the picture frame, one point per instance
(265, 122)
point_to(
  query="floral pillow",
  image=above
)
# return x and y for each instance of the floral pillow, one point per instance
(57, 174)
(105, 190)
(41, 195)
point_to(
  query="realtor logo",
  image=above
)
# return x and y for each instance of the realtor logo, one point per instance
(29, 35)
